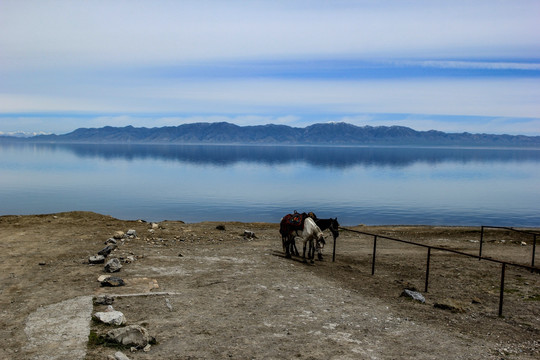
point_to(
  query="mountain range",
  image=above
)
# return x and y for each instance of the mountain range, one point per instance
(317, 134)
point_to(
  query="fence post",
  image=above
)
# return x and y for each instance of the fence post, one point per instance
(334, 251)
(374, 250)
(427, 268)
(481, 242)
(502, 289)
(534, 250)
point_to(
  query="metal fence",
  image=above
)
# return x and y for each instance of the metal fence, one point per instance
(429, 248)
(526, 232)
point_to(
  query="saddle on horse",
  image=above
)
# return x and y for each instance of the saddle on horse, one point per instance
(296, 220)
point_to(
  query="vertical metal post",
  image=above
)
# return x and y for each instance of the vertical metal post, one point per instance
(534, 250)
(427, 268)
(374, 250)
(502, 289)
(481, 242)
(334, 251)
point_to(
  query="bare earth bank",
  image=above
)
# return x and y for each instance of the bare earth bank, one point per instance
(206, 293)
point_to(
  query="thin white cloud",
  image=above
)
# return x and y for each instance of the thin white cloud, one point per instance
(482, 65)
(476, 97)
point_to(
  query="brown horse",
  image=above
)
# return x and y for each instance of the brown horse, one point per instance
(289, 228)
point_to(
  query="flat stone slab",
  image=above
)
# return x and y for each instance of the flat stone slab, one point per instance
(59, 331)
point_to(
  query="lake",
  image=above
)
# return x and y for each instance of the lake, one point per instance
(359, 185)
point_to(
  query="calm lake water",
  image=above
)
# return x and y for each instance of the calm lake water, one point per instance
(359, 185)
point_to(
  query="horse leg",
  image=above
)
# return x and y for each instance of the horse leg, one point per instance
(319, 252)
(294, 249)
(289, 245)
(311, 251)
(304, 253)
(292, 243)
(286, 246)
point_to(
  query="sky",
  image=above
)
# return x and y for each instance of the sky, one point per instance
(455, 66)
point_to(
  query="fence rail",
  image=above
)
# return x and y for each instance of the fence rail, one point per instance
(438, 248)
(532, 233)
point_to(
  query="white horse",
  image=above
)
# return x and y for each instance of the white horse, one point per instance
(314, 236)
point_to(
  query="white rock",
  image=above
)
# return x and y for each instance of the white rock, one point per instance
(111, 317)
(120, 356)
(415, 295)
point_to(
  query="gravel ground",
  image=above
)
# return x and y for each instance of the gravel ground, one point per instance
(205, 293)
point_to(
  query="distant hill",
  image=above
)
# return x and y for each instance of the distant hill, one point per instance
(317, 134)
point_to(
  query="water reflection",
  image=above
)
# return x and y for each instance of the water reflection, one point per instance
(262, 183)
(327, 157)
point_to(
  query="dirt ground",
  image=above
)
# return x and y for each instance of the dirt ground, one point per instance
(206, 293)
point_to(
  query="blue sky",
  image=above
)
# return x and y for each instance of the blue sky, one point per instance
(446, 65)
